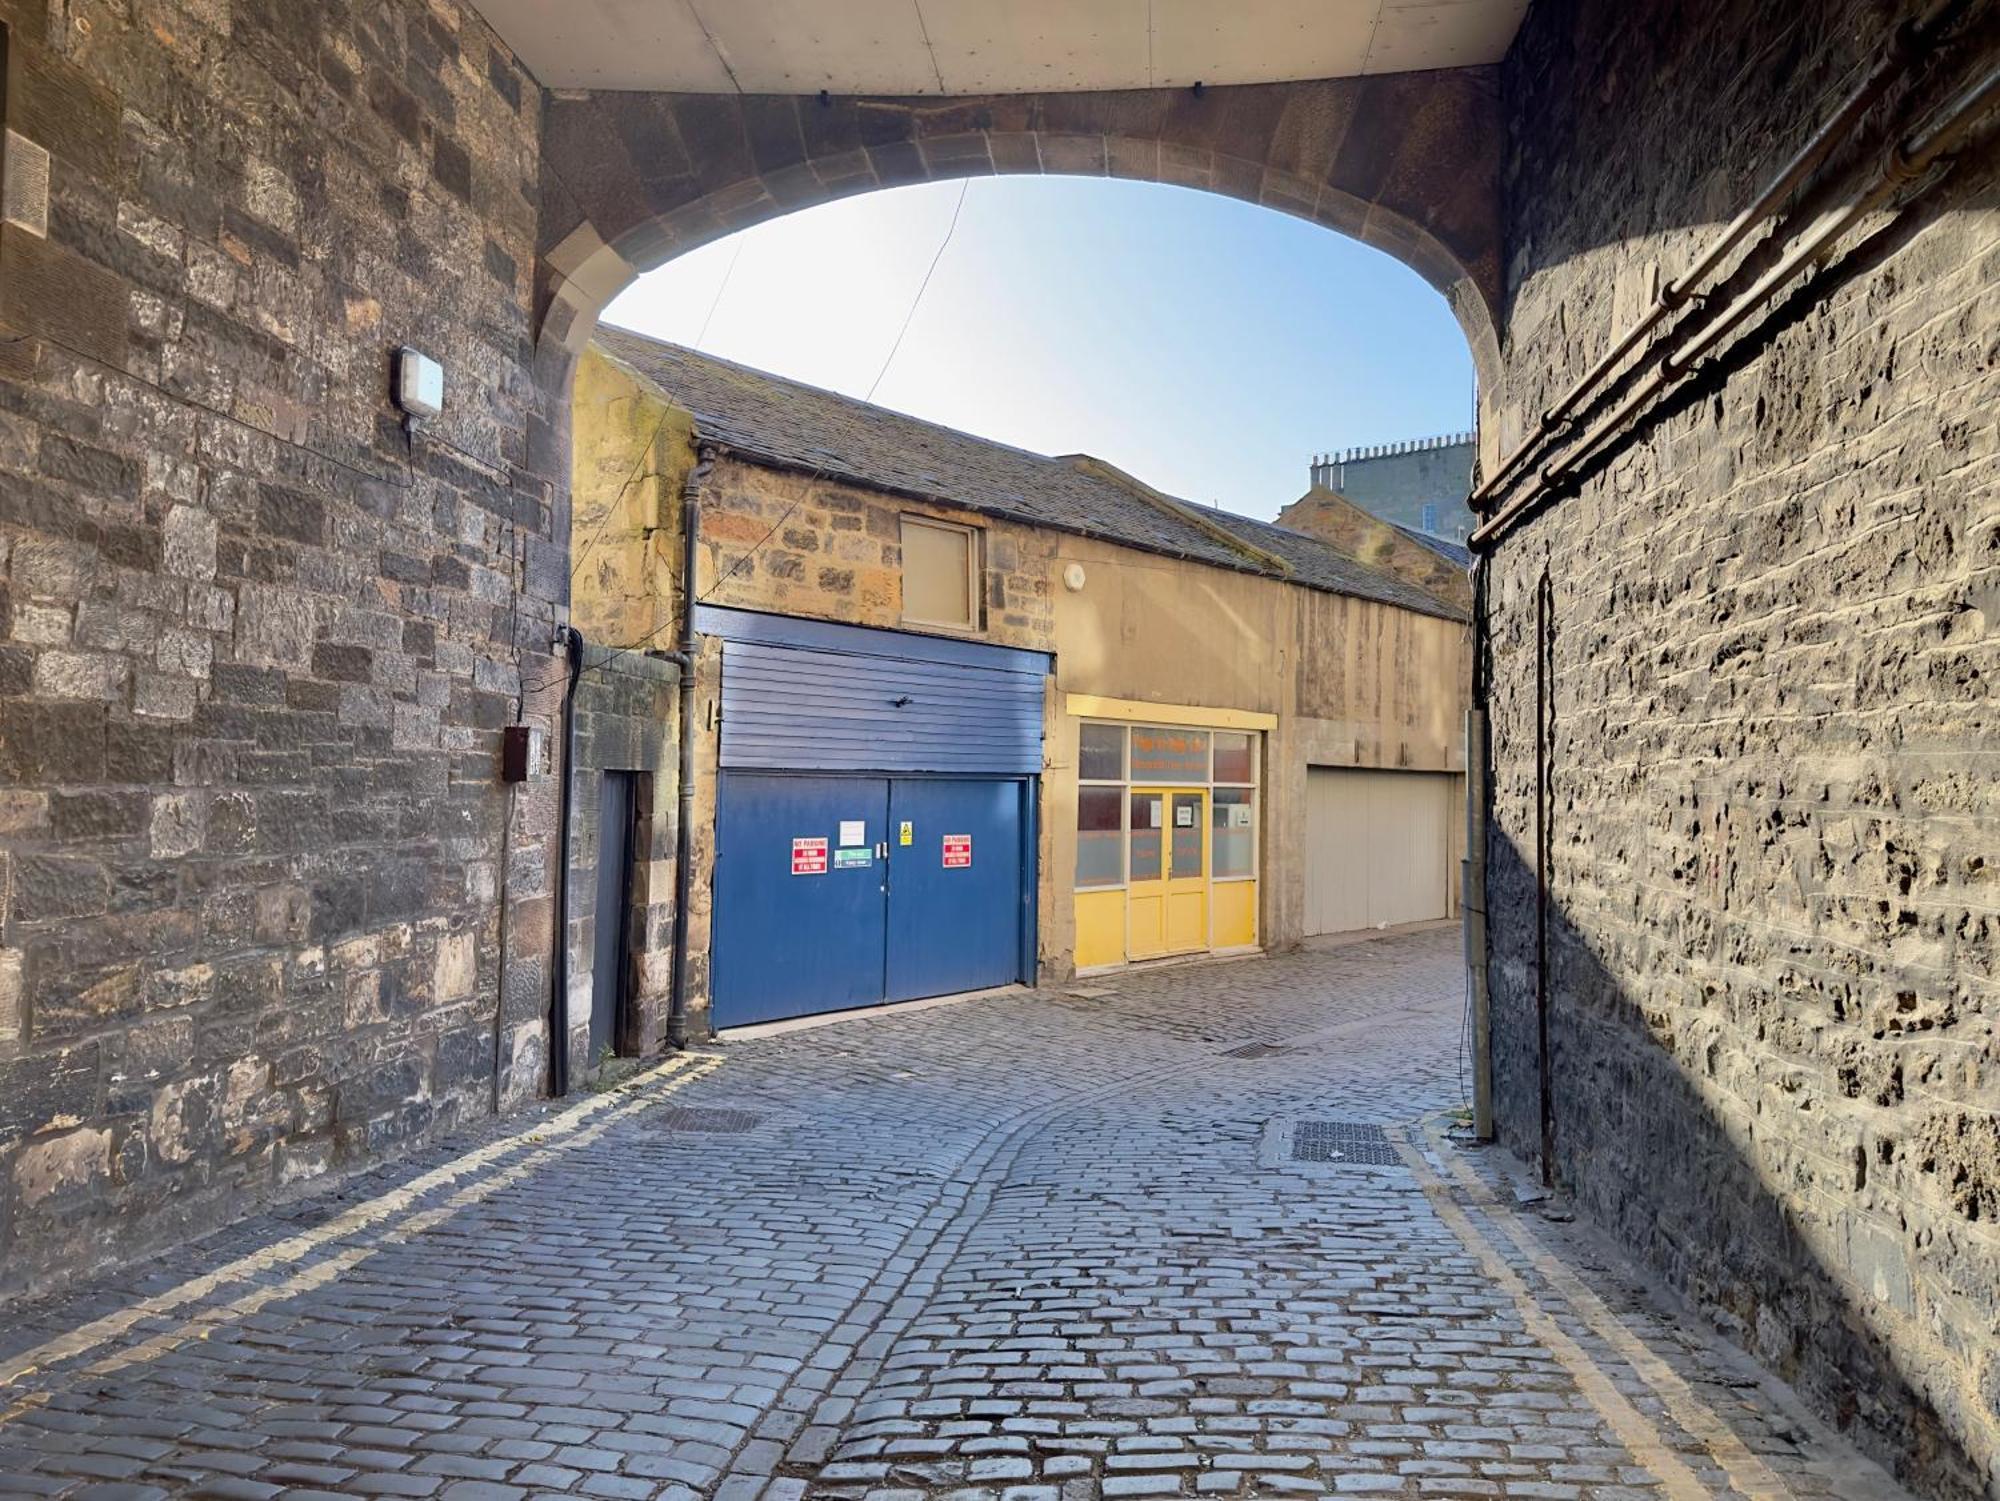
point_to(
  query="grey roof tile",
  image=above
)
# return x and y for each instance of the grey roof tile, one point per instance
(806, 428)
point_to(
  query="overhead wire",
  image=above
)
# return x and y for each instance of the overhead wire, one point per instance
(805, 489)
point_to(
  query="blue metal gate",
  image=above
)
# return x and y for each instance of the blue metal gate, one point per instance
(956, 896)
(806, 923)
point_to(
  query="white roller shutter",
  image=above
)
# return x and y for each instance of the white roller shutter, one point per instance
(1377, 848)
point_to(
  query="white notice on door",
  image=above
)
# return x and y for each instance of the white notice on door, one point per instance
(853, 831)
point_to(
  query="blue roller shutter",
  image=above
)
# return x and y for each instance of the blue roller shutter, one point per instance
(803, 695)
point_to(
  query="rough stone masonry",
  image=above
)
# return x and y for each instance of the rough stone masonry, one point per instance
(1774, 807)
(256, 644)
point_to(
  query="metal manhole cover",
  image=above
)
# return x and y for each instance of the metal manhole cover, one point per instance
(1343, 1141)
(715, 1120)
(1255, 1050)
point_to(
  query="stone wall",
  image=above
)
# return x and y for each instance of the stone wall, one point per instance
(257, 646)
(625, 703)
(1366, 538)
(794, 544)
(1397, 480)
(1775, 808)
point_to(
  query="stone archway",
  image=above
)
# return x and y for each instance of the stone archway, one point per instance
(1408, 163)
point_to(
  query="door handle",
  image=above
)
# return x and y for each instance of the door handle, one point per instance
(882, 850)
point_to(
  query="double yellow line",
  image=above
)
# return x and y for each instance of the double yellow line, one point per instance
(1641, 1437)
(394, 1211)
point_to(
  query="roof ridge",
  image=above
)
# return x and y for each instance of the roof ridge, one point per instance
(1181, 510)
(805, 385)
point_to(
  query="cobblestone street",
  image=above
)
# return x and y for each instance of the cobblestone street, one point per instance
(1042, 1246)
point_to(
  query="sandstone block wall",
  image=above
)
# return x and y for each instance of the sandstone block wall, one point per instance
(1773, 790)
(256, 646)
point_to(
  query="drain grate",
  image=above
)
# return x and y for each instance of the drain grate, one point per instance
(1255, 1050)
(1343, 1141)
(716, 1121)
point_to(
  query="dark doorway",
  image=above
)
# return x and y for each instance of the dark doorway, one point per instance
(614, 866)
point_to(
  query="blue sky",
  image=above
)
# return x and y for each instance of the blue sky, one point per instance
(1206, 345)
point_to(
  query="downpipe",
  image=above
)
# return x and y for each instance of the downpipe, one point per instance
(1478, 812)
(571, 641)
(688, 653)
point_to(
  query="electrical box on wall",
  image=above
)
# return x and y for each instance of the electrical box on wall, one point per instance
(520, 753)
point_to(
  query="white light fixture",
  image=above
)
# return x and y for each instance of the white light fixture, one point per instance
(1073, 577)
(419, 385)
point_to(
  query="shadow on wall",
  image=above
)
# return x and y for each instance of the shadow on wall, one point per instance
(1779, 1243)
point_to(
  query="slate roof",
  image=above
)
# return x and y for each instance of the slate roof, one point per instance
(802, 427)
(1443, 546)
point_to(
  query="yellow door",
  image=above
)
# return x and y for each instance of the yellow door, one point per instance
(1166, 894)
(1146, 876)
(1187, 871)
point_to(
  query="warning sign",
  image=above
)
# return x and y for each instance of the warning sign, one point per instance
(808, 857)
(957, 850)
(906, 834)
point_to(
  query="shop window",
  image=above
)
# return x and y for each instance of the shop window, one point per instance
(940, 573)
(1235, 757)
(1169, 755)
(1100, 836)
(1233, 838)
(1148, 817)
(1101, 753)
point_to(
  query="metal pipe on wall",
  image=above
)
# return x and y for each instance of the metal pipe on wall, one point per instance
(1544, 698)
(690, 647)
(1478, 815)
(571, 642)
(1911, 42)
(1906, 160)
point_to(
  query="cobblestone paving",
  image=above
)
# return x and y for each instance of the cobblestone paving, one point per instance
(1025, 1248)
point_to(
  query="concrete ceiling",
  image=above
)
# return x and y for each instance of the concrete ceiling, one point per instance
(988, 46)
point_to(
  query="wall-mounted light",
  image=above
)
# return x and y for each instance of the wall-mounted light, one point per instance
(419, 386)
(1073, 577)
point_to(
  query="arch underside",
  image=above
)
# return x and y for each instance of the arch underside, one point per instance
(1408, 163)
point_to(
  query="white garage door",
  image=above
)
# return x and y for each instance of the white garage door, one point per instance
(1377, 848)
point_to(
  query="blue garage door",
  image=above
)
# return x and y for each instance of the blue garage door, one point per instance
(956, 895)
(835, 739)
(821, 905)
(799, 917)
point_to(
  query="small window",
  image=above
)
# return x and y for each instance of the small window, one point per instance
(1235, 757)
(1101, 753)
(1235, 831)
(1430, 521)
(940, 573)
(1100, 836)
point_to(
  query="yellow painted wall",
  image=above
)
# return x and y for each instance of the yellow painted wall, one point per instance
(631, 452)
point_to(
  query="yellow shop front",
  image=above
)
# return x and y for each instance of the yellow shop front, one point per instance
(1167, 820)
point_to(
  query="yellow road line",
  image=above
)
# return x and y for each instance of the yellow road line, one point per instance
(1634, 1429)
(1746, 1470)
(635, 1094)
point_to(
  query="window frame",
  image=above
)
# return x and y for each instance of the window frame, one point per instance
(1258, 742)
(975, 594)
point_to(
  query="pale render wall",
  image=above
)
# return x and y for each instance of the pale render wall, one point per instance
(1353, 683)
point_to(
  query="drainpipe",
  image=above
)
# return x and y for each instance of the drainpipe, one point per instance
(1544, 756)
(690, 647)
(1478, 809)
(571, 641)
